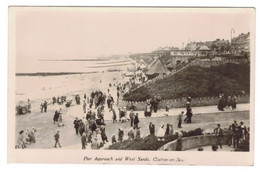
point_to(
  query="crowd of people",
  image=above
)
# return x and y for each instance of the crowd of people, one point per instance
(237, 133)
(60, 100)
(92, 127)
(153, 106)
(91, 130)
(26, 138)
(227, 101)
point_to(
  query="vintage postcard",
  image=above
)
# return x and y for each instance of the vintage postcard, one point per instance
(131, 85)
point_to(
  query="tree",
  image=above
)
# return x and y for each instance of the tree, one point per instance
(227, 47)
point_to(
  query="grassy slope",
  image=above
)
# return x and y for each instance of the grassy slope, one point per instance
(197, 81)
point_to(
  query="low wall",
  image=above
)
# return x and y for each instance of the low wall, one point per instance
(209, 63)
(194, 142)
(179, 103)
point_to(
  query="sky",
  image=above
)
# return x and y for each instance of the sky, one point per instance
(67, 33)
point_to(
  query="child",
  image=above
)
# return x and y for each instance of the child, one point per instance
(113, 139)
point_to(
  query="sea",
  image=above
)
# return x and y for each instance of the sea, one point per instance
(70, 77)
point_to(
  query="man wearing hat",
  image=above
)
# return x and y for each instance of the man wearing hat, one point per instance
(219, 135)
(132, 116)
(56, 138)
(120, 134)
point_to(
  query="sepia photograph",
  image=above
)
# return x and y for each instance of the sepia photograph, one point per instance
(139, 85)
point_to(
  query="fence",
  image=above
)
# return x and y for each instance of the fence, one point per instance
(209, 63)
(194, 142)
(179, 103)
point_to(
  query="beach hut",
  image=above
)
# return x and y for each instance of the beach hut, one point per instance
(157, 69)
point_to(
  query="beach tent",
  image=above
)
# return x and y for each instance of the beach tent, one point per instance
(142, 66)
(157, 68)
(153, 62)
(142, 61)
(171, 64)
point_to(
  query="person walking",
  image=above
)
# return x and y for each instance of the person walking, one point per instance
(113, 139)
(138, 133)
(56, 116)
(114, 115)
(243, 131)
(60, 121)
(221, 103)
(45, 104)
(148, 109)
(103, 134)
(81, 127)
(57, 138)
(167, 108)
(235, 133)
(180, 119)
(84, 106)
(84, 140)
(95, 144)
(117, 97)
(160, 133)
(21, 140)
(151, 128)
(234, 102)
(42, 107)
(131, 135)
(33, 130)
(189, 115)
(53, 100)
(132, 116)
(76, 125)
(136, 121)
(120, 135)
(167, 131)
(179, 143)
(219, 134)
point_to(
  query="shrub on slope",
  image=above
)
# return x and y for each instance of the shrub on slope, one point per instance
(195, 81)
(151, 142)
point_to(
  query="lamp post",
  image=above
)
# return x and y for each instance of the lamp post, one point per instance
(232, 31)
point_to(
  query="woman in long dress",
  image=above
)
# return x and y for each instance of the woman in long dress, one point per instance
(148, 110)
(160, 133)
